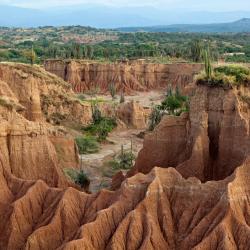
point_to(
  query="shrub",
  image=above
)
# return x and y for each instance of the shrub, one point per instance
(123, 161)
(173, 104)
(87, 144)
(225, 76)
(79, 177)
(102, 128)
(155, 118)
(96, 113)
(241, 74)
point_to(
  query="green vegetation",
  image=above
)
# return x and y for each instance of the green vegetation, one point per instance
(173, 104)
(225, 76)
(79, 177)
(101, 125)
(87, 144)
(76, 42)
(208, 66)
(123, 161)
(101, 128)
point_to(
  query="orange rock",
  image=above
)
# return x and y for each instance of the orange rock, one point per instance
(133, 115)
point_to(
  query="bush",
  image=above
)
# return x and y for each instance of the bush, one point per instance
(240, 74)
(79, 177)
(87, 145)
(226, 76)
(173, 104)
(155, 118)
(124, 161)
(102, 128)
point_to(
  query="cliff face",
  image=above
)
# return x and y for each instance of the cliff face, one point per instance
(44, 96)
(29, 146)
(128, 77)
(208, 144)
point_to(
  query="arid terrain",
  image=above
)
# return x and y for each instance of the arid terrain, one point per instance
(186, 187)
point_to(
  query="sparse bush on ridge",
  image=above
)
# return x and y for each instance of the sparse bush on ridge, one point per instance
(225, 76)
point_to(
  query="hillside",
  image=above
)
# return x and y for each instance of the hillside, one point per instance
(242, 25)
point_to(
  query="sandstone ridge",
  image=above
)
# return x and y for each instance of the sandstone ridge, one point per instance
(127, 77)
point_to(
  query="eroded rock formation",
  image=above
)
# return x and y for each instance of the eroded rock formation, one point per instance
(31, 149)
(44, 96)
(159, 210)
(209, 143)
(133, 115)
(85, 75)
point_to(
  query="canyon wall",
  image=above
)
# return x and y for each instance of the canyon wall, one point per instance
(31, 149)
(84, 76)
(208, 143)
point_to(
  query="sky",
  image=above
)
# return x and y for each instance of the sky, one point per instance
(191, 5)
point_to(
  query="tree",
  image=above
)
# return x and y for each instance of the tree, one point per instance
(31, 55)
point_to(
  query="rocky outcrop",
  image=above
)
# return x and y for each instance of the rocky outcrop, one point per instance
(160, 210)
(44, 96)
(127, 77)
(32, 150)
(209, 143)
(133, 115)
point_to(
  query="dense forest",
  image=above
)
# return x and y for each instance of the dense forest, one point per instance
(78, 42)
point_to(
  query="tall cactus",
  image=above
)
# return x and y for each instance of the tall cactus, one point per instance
(208, 65)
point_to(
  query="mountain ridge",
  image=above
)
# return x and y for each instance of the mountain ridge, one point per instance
(241, 25)
(102, 16)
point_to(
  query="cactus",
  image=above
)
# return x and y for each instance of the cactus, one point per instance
(208, 66)
(112, 90)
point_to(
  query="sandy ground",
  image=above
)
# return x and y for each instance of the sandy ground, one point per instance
(146, 99)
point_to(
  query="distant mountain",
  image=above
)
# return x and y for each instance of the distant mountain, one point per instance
(242, 25)
(102, 16)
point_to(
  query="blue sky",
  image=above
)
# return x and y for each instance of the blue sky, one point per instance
(193, 5)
